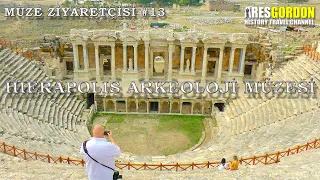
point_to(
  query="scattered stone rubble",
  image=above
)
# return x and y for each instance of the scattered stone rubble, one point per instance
(210, 21)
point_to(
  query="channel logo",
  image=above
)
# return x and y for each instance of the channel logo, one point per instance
(282, 15)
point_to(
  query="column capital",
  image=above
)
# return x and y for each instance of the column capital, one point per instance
(240, 46)
(170, 47)
(124, 44)
(135, 45)
(194, 47)
(146, 43)
(84, 44)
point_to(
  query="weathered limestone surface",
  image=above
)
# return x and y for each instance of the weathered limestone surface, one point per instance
(298, 166)
(38, 122)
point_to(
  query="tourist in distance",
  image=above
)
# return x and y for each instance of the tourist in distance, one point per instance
(234, 164)
(223, 165)
(99, 155)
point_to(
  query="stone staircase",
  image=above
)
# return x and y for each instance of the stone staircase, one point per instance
(301, 166)
(28, 119)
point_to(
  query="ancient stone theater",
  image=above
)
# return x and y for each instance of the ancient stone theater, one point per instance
(156, 55)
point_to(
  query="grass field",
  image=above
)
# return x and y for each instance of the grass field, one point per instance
(152, 134)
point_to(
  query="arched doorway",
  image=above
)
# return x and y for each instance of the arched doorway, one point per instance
(165, 107)
(186, 108)
(90, 100)
(220, 106)
(142, 106)
(158, 69)
(121, 106)
(197, 108)
(110, 106)
(132, 106)
(154, 107)
(175, 107)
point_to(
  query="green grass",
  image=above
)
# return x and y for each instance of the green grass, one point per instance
(114, 118)
(156, 128)
(188, 125)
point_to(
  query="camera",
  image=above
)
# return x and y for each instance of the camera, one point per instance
(116, 175)
(106, 133)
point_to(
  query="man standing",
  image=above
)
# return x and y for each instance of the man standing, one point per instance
(103, 152)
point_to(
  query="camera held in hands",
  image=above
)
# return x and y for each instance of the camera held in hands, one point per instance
(106, 133)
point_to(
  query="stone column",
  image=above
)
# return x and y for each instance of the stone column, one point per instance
(182, 59)
(192, 106)
(151, 63)
(231, 60)
(126, 105)
(124, 54)
(147, 102)
(85, 57)
(137, 105)
(181, 107)
(170, 108)
(204, 64)
(115, 106)
(253, 71)
(216, 69)
(212, 106)
(202, 108)
(170, 62)
(146, 60)
(193, 59)
(96, 55)
(220, 63)
(159, 110)
(75, 57)
(242, 59)
(113, 62)
(135, 57)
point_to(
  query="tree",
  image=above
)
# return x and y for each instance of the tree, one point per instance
(66, 3)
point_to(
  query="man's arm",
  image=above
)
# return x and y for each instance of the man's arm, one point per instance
(116, 150)
(112, 139)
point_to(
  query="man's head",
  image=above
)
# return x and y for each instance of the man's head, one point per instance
(97, 131)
